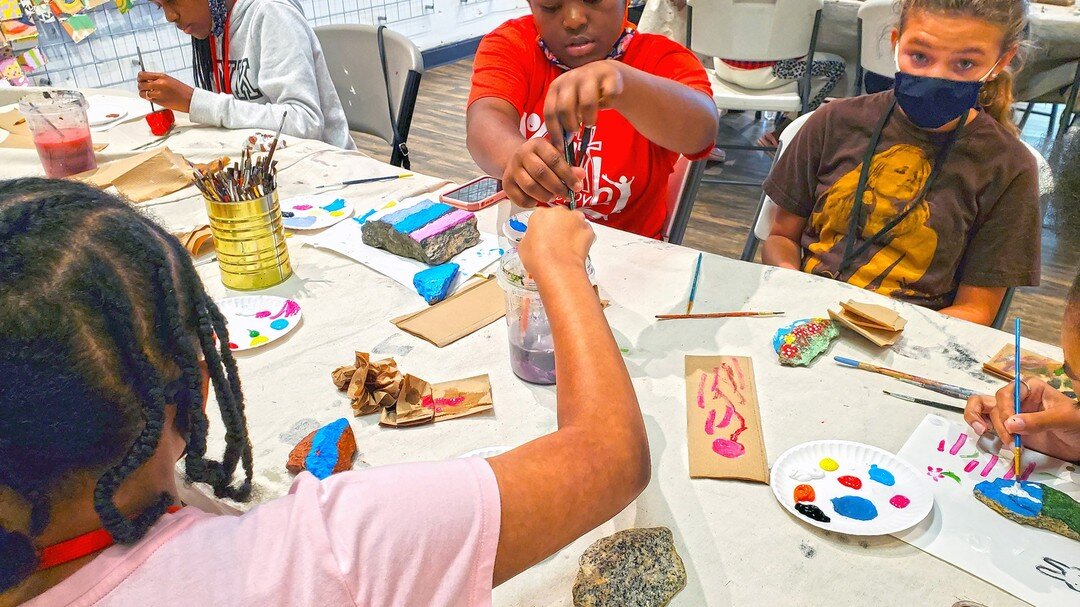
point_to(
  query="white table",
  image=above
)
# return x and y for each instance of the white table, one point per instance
(740, 547)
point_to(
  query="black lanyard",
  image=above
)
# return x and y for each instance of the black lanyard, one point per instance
(855, 226)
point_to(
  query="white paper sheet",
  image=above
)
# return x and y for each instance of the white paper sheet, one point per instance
(346, 238)
(1038, 566)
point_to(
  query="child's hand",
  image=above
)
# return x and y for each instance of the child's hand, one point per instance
(537, 173)
(165, 91)
(1049, 422)
(575, 98)
(558, 239)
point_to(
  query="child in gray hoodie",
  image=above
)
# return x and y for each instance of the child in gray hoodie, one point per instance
(253, 60)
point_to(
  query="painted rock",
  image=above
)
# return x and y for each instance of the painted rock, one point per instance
(433, 284)
(326, 451)
(1032, 504)
(431, 232)
(798, 344)
(633, 568)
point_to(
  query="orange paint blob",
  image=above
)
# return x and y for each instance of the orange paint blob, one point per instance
(804, 493)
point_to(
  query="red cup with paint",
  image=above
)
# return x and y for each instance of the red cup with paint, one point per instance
(60, 131)
(161, 121)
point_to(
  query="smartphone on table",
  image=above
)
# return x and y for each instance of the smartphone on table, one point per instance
(477, 194)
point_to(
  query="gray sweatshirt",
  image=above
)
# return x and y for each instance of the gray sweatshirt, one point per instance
(275, 64)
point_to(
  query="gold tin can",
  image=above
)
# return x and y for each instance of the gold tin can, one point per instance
(250, 241)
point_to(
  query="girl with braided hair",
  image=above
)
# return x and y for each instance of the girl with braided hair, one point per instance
(108, 346)
(253, 60)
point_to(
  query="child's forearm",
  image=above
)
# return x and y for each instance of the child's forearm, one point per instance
(492, 134)
(782, 252)
(218, 109)
(668, 113)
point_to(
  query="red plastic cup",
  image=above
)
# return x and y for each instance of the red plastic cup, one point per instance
(161, 121)
(60, 131)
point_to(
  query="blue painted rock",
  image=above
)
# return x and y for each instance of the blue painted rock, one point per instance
(433, 284)
(431, 232)
(1032, 504)
(326, 451)
(798, 344)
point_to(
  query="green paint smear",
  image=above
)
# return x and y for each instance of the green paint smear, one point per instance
(952, 476)
(1061, 507)
(976, 454)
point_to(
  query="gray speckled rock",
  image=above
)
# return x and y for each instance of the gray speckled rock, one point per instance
(434, 250)
(633, 568)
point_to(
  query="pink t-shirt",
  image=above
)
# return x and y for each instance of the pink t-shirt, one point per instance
(411, 534)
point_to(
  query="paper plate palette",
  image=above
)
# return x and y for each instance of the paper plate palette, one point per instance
(850, 488)
(314, 211)
(257, 320)
(102, 113)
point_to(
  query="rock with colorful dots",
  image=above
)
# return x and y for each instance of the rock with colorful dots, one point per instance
(799, 343)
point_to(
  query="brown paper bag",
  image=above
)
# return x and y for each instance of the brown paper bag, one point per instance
(463, 313)
(414, 405)
(143, 177)
(723, 424)
(371, 385)
(453, 399)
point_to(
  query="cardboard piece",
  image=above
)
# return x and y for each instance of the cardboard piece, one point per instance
(723, 424)
(414, 405)
(143, 177)
(196, 240)
(453, 399)
(472, 308)
(1034, 365)
(879, 324)
(967, 534)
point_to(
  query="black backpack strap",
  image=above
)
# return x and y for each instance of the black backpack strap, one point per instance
(398, 144)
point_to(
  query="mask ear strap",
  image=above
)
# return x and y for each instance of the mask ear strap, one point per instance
(986, 77)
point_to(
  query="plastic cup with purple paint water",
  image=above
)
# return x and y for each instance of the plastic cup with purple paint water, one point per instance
(532, 350)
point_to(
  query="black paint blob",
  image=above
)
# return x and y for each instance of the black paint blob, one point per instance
(812, 512)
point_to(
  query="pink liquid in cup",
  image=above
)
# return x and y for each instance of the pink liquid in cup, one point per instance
(65, 151)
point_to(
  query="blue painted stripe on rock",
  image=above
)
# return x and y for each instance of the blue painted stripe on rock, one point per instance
(397, 216)
(420, 219)
(323, 456)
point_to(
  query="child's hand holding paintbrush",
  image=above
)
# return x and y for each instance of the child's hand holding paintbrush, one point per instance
(1049, 421)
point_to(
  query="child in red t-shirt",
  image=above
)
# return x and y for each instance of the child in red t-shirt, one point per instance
(577, 63)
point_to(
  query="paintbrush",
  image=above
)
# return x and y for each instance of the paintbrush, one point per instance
(718, 315)
(568, 154)
(1016, 401)
(923, 401)
(365, 180)
(922, 382)
(142, 68)
(693, 285)
(273, 144)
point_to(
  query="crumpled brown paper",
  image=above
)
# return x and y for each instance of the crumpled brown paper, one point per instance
(379, 387)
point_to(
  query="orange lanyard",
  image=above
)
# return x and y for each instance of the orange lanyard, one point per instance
(78, 547)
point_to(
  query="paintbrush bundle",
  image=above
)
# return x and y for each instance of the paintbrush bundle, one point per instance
(245, 179)
(876, 323)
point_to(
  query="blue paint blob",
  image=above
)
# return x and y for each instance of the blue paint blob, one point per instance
(337, 205)
(1010, 495)
(363, 218)
(520, 226)
(279, 324)
(853, 506)
(419, 219)
(298, 222)
(881, 475)
(323, 456)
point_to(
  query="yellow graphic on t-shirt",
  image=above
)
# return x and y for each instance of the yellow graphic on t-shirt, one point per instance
(897, 176)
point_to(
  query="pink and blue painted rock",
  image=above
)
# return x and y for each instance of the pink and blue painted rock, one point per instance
(799, 343)
(433, 284)
(431, 232)
(326, 451)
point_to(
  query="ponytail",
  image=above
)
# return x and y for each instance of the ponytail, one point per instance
(996, 99)
(20, 559)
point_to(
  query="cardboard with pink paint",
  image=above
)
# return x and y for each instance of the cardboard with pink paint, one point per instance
(1035, 565)
(723, 424)
(458, 398)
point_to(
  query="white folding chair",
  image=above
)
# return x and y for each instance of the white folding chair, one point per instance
(682, 189)
(874, 52)
(376, 80)
(1058, 87)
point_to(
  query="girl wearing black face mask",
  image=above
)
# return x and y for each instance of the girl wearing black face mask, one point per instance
(924, 192)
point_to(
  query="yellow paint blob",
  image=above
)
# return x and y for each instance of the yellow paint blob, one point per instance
(262, 340)
(337, 213)
(829, 464)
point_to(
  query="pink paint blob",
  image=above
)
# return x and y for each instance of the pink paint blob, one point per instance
(263, 314)
(900, 501)
(728, 412)
(727, 448)
(701, 391)
(989, 466)
(973, 464)
(710, 422)
(941, 445)
(302, 207)
(960, 440)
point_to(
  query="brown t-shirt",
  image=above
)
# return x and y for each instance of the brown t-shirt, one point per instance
(979, 225)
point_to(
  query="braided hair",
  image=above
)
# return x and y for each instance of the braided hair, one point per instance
(103, 322)
(202, 65)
